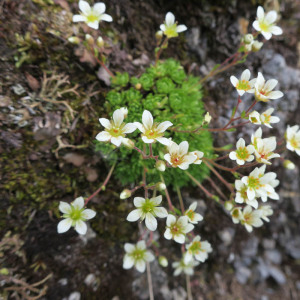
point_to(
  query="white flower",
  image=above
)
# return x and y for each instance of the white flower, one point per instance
(185, 267)
(244, 84)
(236, 214)
(273, 182)
(152, 132)
(264, 150)
(197, 249)
(242, 154)
(177, 228)
(147, 209)
(178, 155)
(207, 118)
(115, 130)
(92, 15)
(160, 166)
(75, 215)
(267, 119)
(265, 23)
(293, 138)
(137, 255)
(250, 218)
(254, 118)
(258, 183)
(263, 89)
(170, 27)
(265, 211)
(241, 195)
(199, 155)
(194, 218)
(257, 135)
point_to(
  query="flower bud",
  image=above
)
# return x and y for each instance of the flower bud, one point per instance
(207, 118)
(158, 35)
(124, 110)
(138, 86)
(89, 39)
(248, 47)
(163, 261)
(100, 42)
(256, 46)
(128, 143)
(228, 205)
(289, 165)
(160, 165)
(125, 194)
(248, 38)
(161, 186)
(74, 40)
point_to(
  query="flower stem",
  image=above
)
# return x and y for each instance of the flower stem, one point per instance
(161, 47)
(100, 62)
(167, 194)
(103, 184)
(208, 194)
(180, 199)
(150, 286)
(188, 287)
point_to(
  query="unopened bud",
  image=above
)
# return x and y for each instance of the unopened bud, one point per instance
(256, 46)
(228, 205)
(207, 118)
(163, 261)
(160, 165)
(248, 47)
(138, 86)
(128, 143)
(161, 186)
(89, 39)
(248, 38)
(124, 111)
(74, 40)
(100, 42)
(158, 35)
(125, 194)
(289, 165)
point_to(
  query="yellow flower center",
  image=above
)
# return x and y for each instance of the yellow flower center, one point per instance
(264, 26)
(243, 85)
(176, 160)
(92, 18)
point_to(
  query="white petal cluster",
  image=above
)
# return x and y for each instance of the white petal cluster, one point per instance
(242, 154)
(292, 136)
(194, 217)
(75, 215)
(177, 228)
(92, 15)
(115, 129)
(170, 27)
(147, 209)
(184, 267)
(197, 249)
(259, 184)
(199, 155)
(137, 255)
(244, 84)
(263, 119)
(264, 150)
(251, 218)
(151, 131)
(179, 156)
(264, 89)
(265, 23)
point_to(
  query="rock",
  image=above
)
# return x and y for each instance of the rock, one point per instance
(268, 243)
(289, 102)
(250, 247)
(273, 256)
(75, 296)
(74, 158)
(274, 65)
(277, 275)
(242, 274)
(90, 279)
(63, 281)
(226, 235)
(292, 247)
(90, 234)
(262, 270)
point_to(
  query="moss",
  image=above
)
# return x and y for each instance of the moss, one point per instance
(169, 94)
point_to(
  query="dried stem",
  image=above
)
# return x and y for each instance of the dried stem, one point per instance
(150, 286)
(180, 199)
(188, 287)
(208, 194)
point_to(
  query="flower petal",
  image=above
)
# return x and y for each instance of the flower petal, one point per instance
(78, 203)
(160, 212)
(138, 201)
(105, 123)
(140, 265)
(99, 8)
(271, 17)
(170, 19)
(106, 18)
(128, 262)
(134, 215)
(129, 128)
(162, 127)
(79, 18)
(276, 30)
(156, 200)
(181, 28)
(88, 214)
(64, 225)
(81, 227)
(147, 119)
(103, 136)
(129, 247)
(117, 140)
(151, 222)
(118, 117)
(64, 207)
(84, 7)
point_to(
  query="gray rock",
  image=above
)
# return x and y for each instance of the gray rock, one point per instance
(63, 281)
(277, 275)
(242, 274)
(75, 296)
(292, 247)
(262, 270)
(90, 280)
(250, 247)
(289, 101)
(268, 243)
(274, 65)
(226, 235)
(273, 256)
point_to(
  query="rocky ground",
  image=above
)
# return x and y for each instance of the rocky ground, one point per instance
(47, 155)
